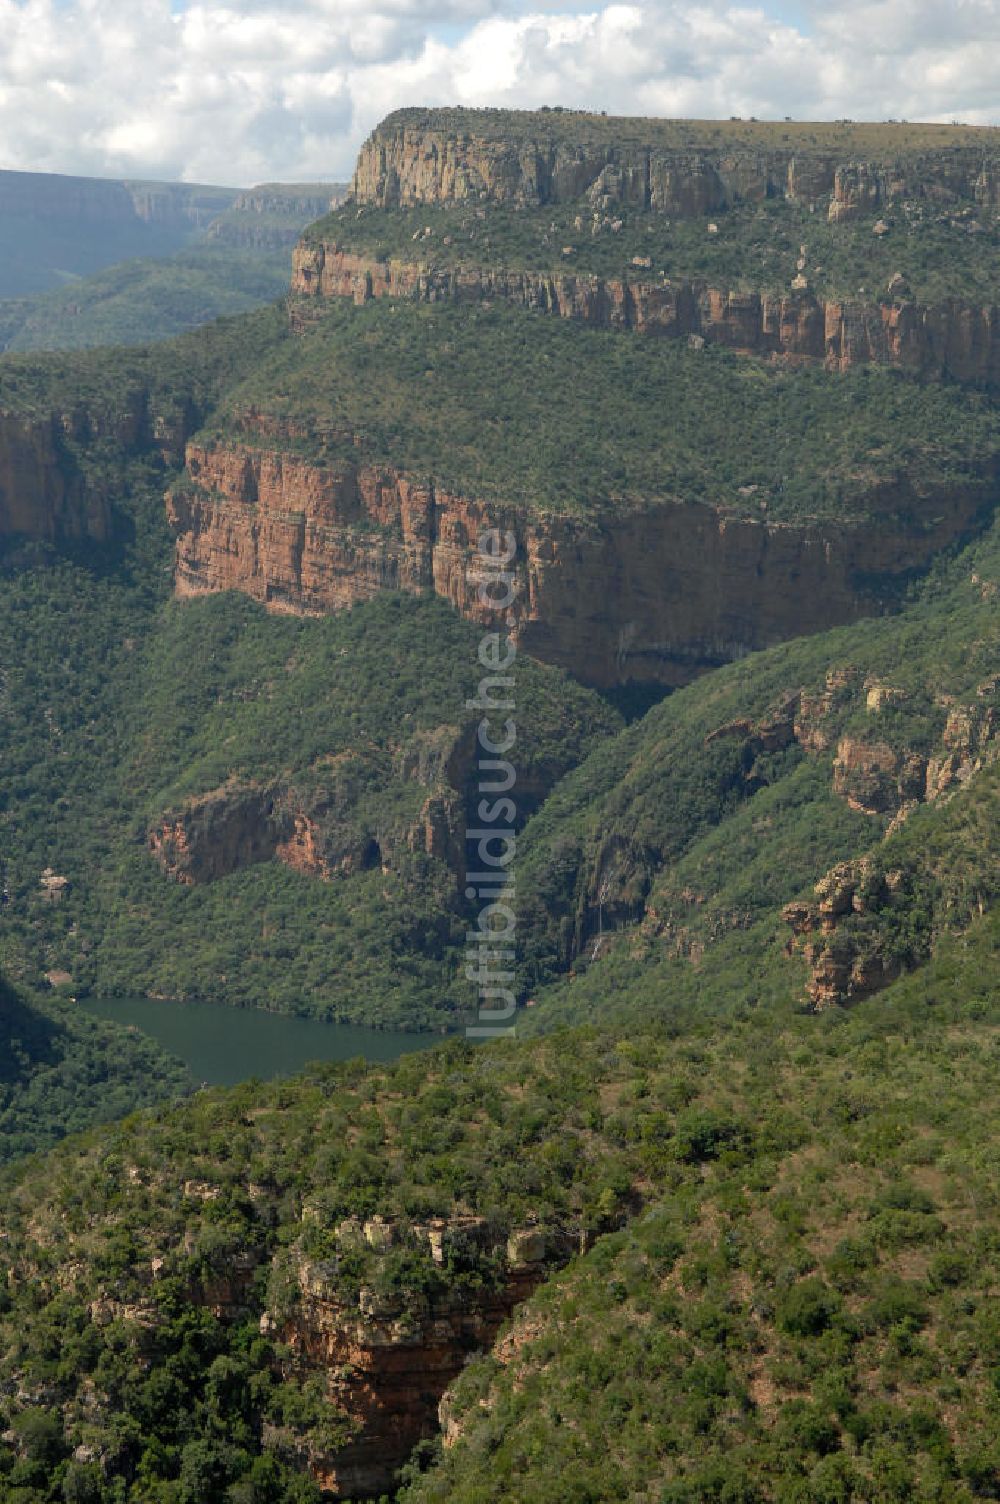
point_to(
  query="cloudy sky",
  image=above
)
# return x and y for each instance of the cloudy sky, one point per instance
(241, 91)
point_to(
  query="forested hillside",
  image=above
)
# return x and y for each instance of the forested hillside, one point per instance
(719, 1222)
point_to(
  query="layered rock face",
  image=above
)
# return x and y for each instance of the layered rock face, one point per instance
(412, 159)
(240, 824)
(386, 1360)
(48, 489)
(954, 338)
(102, 201)
(41, 495)
(272, 215)
(656, 593)
(176, 206)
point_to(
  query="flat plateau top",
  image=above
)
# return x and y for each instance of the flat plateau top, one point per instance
(582, 127)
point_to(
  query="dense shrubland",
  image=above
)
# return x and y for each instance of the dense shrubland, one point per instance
(939, 252)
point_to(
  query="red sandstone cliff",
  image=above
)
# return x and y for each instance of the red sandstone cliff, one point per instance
(953, 338)
(656, 592)
(49, 489)
(41, 494)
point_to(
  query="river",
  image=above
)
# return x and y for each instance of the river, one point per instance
(222, 1045)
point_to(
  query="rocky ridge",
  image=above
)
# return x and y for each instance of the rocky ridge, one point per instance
(271, 216)
(417, 157)
(656, 593)
(957, 339)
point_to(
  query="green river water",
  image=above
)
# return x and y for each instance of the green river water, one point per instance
(222, 1046)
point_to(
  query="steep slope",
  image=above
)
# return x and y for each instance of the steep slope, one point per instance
(271, 216)
(811, 1317)
(277, 1281)
(774, 1225)
(846, 244)
(279, 821)
(420, 156)
(61, 1071)
(733, 1192)
(688, 832)
(375, 445)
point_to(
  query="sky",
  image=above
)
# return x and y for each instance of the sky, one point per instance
(248, 91)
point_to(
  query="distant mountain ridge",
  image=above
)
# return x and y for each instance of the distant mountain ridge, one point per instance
(89, 261)
(55, 228)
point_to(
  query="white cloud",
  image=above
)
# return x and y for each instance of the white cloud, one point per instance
(253, 89)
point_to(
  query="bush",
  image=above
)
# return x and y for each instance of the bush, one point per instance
(808, 1309)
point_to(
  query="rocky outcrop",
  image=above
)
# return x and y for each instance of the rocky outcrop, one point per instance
(324, 834)
(273, 215)
(846, 964)
(875, 778)
(387, 1357)
(42, 494)
(953, 338)
(657, 592)
(848, 932)
(670, 167)
(218, 833)
(969, 743)
(60, 471)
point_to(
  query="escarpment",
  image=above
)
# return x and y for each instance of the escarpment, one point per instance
(683, 168)
(57, 479)
(42, 495)
(272, 215)
(956, 338)
(790, 289)
(657, 592)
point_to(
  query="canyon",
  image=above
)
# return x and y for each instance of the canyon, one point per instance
(656, 591)
(326, 1256)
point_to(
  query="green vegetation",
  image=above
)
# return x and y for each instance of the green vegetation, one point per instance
(788, 1297)
(573, 128)
(353, 716)
(139, 301)
(680, 837)
(180, 378)
(761, 1240)
(939, 252)
(61, 1071)
(581, 417)
(808, 1313)
(209, 254)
